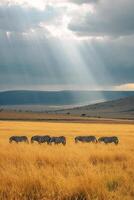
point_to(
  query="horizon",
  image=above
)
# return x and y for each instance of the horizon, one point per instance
(67, 90)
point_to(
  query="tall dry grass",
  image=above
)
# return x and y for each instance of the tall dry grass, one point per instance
(73, 172)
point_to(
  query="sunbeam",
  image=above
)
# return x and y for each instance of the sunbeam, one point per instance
(48, 45)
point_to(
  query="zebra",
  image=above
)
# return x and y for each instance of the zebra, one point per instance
(107, 140)
(58, 140)
(41, 139)
(18, 139)
(85, 139)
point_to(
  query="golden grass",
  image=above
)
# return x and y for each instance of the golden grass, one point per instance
(71, 172)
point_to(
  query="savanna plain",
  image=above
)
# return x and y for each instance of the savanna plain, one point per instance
(71, 172)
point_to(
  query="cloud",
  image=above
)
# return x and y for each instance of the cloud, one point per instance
(75, 43)
(112, 19)
(18, 18)
(117, 57)
(50, 61)
(23, 16)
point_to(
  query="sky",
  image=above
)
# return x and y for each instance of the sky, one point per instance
(67, 44)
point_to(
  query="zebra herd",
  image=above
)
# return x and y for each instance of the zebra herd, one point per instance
(62, 139)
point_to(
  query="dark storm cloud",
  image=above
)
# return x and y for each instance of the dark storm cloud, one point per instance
(110, 18)
(117, 57)
(44, 62)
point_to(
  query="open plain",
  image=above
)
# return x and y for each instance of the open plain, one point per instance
(71, 172)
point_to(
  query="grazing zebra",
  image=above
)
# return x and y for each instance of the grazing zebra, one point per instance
(107, 140)
(58, 140)
(18, 139)
(41, 139)
(85, 139)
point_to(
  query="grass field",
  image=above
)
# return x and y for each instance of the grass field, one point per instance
(71, 172)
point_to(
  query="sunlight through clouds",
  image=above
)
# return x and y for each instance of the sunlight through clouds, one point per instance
(60, 30)
(67, 44)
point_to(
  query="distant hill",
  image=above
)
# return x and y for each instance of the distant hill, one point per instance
(57, 98)
(121, 108)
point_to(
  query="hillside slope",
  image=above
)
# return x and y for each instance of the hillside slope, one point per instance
(121, 108)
